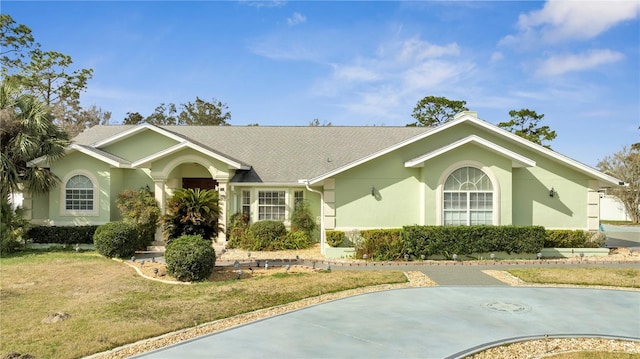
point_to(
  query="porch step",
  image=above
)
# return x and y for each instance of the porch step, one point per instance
(155, 249)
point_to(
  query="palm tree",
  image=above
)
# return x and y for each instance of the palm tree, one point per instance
(191, 212)
(26, 133)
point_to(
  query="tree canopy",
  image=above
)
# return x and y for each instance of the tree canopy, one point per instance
(49, 76)
(625, 165)
(434, 111)
(26, 133)
(524, 123)
(199, 112)
(316, 123)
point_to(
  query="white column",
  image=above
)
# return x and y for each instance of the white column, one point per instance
(223, 200)
(160, 195)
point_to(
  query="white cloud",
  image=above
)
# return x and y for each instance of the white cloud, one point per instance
(296, 18)
(264, 3)
(560, 64)
(431, 74)
(416, 50)
(566, 20)
(497, 56)
(355, 73)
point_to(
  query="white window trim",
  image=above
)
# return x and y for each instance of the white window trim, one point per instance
(453, 168)
(63, 200)
(256, 202)
(254, 207)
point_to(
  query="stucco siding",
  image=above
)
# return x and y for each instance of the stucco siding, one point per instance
(394, 201)
(140, 145)
(533, 205)
(79, 163)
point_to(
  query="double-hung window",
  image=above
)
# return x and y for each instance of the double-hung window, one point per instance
(468, 198)
(271, 205)
(246, 204)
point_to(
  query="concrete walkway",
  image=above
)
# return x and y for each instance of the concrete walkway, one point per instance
(433, 322)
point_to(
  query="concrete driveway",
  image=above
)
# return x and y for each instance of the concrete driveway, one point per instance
(433, 322)
(622, 236)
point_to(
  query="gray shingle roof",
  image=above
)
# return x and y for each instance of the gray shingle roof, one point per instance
(280, 154)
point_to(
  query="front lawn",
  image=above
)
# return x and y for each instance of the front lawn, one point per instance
(110, 305)
(615, 277)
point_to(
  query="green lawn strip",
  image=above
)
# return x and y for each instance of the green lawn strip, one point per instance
(599, 276)
(110, 305)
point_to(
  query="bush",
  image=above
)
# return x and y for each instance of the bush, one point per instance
(381, 244)
(335, 238)
(465, 240)
(62, 235)
(266, 236)
(116, 239)
(12, 226)
(140, 209)
(297, 240)
(191, 212)
(190, 258)
(301, 219)
(572, 239)
(269, 236)
(236, 229)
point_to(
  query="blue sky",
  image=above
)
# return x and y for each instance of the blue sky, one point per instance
(360, 63)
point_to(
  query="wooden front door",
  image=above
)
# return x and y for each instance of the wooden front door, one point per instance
(202, 183)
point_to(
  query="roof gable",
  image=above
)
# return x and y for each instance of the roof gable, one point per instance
(471, 118)
(516, 159)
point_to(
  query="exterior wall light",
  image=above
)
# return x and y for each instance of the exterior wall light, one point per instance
(552, 192)
(373, 191)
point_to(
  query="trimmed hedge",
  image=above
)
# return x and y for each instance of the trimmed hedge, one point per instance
(116, 239)
(270, 236)
(61, 235)
(190, 258)
(381, 244)
(557, 238)
(465, 240)
(335, 238)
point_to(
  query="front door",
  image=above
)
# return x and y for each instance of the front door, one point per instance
(202, 183)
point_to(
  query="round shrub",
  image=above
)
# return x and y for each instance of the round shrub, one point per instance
(190, 258)
(116, 239)
(335, 238)
(267, 235)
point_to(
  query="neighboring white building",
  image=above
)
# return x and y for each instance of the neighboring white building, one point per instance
(612, 209)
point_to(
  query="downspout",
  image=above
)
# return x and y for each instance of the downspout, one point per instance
(322, 226)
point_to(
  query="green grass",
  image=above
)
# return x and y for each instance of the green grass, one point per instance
(620, 223)
(110, 305)
(615, 277)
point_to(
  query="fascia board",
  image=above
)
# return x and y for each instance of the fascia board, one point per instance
(86, 151)
(98, 156)
(133, 131)
(581, 167)
(518, 160)
(267, 184)
(183, 145)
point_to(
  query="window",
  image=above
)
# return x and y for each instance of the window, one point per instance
(468, 198)
(298, 197)
(79, 194)
(271, 205)
(246, 204)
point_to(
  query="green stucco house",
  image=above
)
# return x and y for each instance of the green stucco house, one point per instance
(464, 172)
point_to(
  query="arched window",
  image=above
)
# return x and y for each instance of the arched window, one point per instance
(468, 198)
(79, 194)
